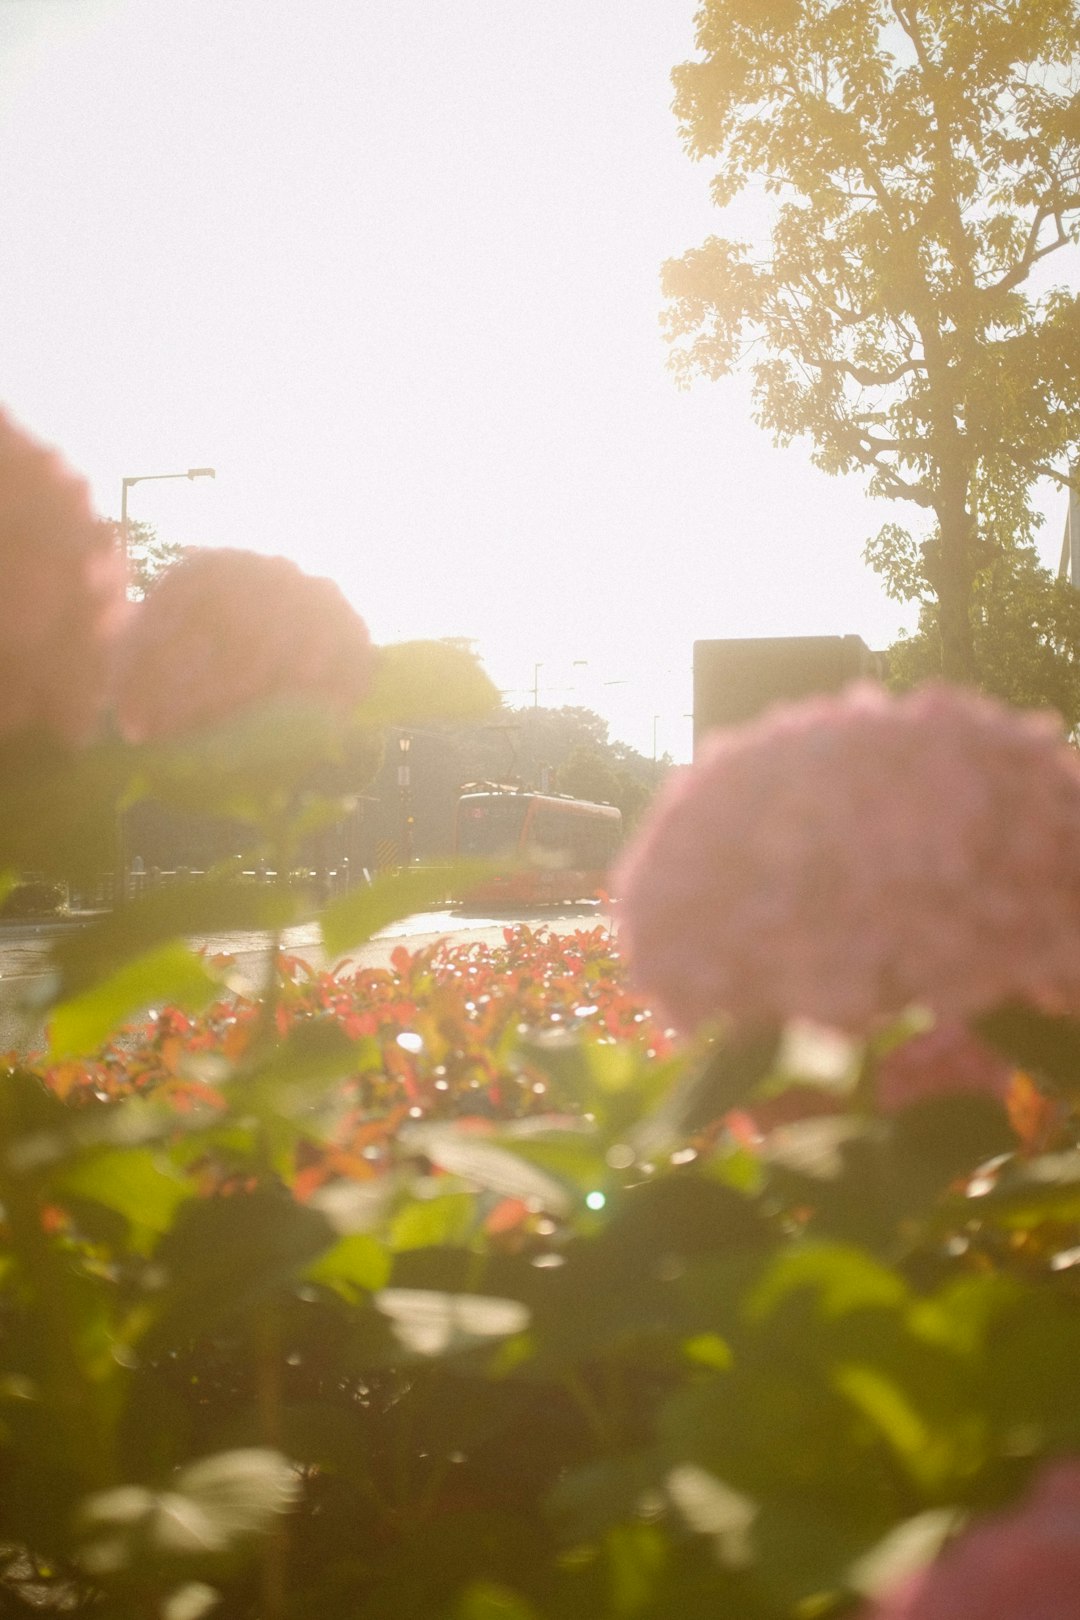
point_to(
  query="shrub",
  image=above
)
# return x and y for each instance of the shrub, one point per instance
(459, 1289)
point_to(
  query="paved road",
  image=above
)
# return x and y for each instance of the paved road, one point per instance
(24, 950)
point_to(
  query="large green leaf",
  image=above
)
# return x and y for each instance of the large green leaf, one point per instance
(352, 920)
(1039, 1042)
(435, 1324)
(211, 905)
(169, 974)
(485, 1601)
(474, 1158)
(137, 1183)
(1027, 1192)
(730, 1074)
(224, 1254)
(357, 1264)
(212, 1508)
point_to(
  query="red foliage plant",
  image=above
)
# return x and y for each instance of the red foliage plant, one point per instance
(447, 1032)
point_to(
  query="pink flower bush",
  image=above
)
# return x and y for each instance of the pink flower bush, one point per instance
(1020, 1565)
(945, 1061)
(224, 629)
(845, 858)
(62, 588)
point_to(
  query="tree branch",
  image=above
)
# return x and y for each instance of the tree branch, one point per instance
(1032, 251)
(873, 379)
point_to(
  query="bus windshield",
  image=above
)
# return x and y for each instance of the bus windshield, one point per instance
(490, 824)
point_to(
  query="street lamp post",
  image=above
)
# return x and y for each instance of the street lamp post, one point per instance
(146, 478)
(120, 882)
(404, 777)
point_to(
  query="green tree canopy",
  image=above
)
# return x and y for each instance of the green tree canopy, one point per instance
(1026, 633)
(924, 161)
(148, 554)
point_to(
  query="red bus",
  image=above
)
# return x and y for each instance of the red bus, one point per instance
(561, 847)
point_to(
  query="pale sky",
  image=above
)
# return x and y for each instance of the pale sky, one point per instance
(392, 268)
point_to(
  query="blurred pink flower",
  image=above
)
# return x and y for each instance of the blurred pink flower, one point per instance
(845, 858)
(1018, 1565)
(62, 589)
(223, 629)
(940, 1062)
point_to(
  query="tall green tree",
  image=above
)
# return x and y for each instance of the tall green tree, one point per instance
(1026, 633)
(921, 165)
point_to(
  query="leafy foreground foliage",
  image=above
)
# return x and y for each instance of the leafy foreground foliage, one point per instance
(450, 1289)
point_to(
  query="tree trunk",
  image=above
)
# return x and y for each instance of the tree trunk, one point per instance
(954, 621)
(952, 561)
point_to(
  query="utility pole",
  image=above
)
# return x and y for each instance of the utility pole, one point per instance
(404, 777)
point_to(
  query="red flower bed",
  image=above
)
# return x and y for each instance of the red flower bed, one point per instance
(442, 1032)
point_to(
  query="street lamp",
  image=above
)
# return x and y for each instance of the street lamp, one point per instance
(536, 685)
(146, 478)
(404, 776)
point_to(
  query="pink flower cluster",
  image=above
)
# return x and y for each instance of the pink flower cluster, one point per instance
(224, 629)
(843, 859)
(220, 630)
(62, 586)
(1019, 1565)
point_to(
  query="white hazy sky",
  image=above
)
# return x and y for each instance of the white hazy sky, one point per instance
(392, 267)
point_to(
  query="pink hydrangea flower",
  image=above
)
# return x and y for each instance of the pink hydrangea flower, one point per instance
(945, 1061)
(1019, 1565)
(62, 589)
(224, 629)
(845, 858)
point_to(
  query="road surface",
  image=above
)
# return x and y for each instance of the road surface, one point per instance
(24, 949)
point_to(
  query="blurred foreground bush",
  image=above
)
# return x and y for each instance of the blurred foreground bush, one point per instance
(460, 1290)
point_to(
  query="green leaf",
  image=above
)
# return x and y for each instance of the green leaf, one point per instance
(212, 905)
(425, 1223)
(732, 1072)
(223, 1254)
(636, 1555)
(358, 1263)
(907, 1548)
(928, 1452)
(475, 1158)
(170, 974)
(712, 1508)
(426, 681)
(937, 1141)
(483, 1600)
(430, 1323)
(353, 919)
(841, 1278)
(137, 1183)
(1038, 1042)
(192, 1601)
(215, 1506)
(1028, 1192)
